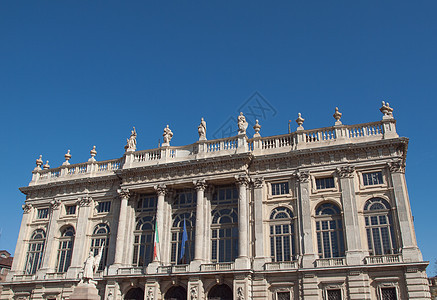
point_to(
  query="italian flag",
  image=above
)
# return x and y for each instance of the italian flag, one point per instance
(156, 244)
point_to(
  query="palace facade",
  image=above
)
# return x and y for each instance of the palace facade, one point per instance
(312, 214)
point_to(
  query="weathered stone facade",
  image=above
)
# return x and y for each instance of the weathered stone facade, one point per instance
(313, 214)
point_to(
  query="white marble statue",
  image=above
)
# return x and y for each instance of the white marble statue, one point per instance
(202, 130)
(242, 124)
(167, 135)
(132, 141)
(91, 265)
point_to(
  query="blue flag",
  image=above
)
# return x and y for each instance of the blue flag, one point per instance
(184, 241)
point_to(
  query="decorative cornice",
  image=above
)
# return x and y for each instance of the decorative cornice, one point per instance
(85, 201)
(27, 208)
(303, 176)
(200, 184)
(346, 171)
(396, 167)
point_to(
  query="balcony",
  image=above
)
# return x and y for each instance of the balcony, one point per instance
(331, 262)
(130, 271)
(282, 265)
(55, 276)
(23, 277)
(173, 269)
(383, 259)
(217, 267)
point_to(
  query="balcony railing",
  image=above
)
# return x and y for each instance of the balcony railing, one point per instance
(331, 262)
(283, 265)
(130, 271)
(217, 267)
(173, 269)
(23, 277)
(383, 259)
(55, 275)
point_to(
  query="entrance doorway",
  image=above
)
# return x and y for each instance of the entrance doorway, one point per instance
(220, 292)
(176, 293)
(135, 294)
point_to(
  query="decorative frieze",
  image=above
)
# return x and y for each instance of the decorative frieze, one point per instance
(258, 182)
(27, 208)
(303, 176)
(346, 171)
(55, 204)
(396, 167)
(85, 201)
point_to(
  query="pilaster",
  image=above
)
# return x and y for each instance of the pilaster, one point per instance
(417, 284)
(242, 262)
(199, 243)
(124, 195)
(258, 193)
(358, 284)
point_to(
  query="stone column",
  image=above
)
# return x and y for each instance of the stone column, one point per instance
(121, 228)
(258, 194)
(48, 264)
(21, 247)
(354, 253)
(161, 191)
(242, 262)
(410, 251)
(305, 224)
(79, 250)
(200, 221)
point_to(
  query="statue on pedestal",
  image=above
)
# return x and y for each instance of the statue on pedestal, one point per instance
(131, 141)
(202, 130)
(167, 135)
(91, 265)
(242, 124)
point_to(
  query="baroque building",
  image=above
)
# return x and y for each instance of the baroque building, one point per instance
(312, 214)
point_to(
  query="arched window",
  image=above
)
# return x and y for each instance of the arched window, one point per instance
(224, 235)
(329, 229)
(65, 249)
(143, 241)
(379, 228)
(100, 242)
(35, 251)
(179, 234)
(282, 235)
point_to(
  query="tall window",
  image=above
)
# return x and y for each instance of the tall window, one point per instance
(177, 237)
(224, 227)
(143, 241)
(35, 251)
(380, 235)
(282, 235)
(100, 242)
(65, 249)
(372, 178)
(329, 228)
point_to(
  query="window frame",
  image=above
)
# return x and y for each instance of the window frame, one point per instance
(291, 234)
(103, 211)
(65, 249)
(46, 213)
(39, 244)
(362, 173)
(99, 238)
(338, 231)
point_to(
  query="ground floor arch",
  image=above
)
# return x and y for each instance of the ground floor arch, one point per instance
(176, 293)
(220, 292)
(135, 294)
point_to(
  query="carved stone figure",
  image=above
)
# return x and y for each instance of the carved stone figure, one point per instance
(167, 135)
(150, 294)
(90, 266)
(242, 124)
(132, 141)
(240, 295)
(193, 293)
(202, 129)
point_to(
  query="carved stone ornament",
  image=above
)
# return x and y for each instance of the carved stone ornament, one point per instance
(150, 295)
(124, 193)
(131, 144)
(167, 136)
(240, 294)
(201, 129)
(300, 120)
(346, 171)
(303, 176)
(27, 208)
(386, 109)
(55, 204)
(161, 189)
(242, 180)
(396, 167)
(200, 184)
(193, 293)
(242, 124)
(258, 182)
(85, 201)
(39, 163)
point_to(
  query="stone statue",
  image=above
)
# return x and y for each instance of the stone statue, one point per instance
(202, 130)
(167, 135)
(131, 141)
(150, 294)
(242, 124)
(193, 293)
(240, 295)
(91, 265)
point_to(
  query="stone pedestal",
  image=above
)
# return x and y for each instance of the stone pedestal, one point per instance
(85, 291)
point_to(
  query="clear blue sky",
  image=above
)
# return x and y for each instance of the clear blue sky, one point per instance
(74, 74)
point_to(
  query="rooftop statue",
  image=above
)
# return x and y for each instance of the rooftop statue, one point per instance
(242, 124)
(131, 141)
(202, 129)
(167, 135)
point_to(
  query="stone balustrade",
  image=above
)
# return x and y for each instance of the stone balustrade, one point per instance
(282, 265)
(383, 259)
(330, 262)
(298, 140)
(217, 267)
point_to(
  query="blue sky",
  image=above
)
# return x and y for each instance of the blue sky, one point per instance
(74, 74)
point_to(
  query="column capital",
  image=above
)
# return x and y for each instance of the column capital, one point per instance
(161, 189)
(27, 208)
(303, 176)
(242, 180)
(258, 182)
(55, 204)
(200, 185)
(396, 167)
(346, 171)
(85, 201)
(124, 193)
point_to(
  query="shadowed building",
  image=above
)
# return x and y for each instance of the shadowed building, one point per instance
(312, 214)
